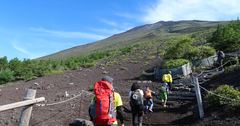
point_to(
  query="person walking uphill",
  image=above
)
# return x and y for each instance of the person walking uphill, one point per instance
(136, 103)
(164, 91)
(220, 56)
(167, 78)
(105, 103)
(148, 96)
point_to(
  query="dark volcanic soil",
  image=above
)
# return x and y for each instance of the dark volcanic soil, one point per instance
(74, 81)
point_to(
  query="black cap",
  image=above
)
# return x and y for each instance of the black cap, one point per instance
(108, 79)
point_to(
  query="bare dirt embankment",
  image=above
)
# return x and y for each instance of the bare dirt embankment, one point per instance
(74, 81)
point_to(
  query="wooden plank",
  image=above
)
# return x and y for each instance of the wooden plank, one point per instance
(187, 95)
(168, 102)
(20, 104)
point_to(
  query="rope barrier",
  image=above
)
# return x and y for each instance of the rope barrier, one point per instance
(214, 68)
(88, 93)
(218, 95)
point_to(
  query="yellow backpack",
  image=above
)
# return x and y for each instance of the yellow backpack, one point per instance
(165, 78)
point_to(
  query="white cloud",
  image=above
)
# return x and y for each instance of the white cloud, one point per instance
(29, 55)
(112, 23)
(126, 15)
(114, 31)
(167, 10)
(70, 34)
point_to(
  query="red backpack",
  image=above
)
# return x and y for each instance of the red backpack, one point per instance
(103, 109)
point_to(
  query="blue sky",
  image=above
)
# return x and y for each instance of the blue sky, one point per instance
(34, 28)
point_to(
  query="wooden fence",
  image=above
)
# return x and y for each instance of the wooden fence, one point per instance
(27, 105)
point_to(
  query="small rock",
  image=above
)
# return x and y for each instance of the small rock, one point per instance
(8, 122)
(105, 72)
(16, 88)
(70, 83)
(36, 84)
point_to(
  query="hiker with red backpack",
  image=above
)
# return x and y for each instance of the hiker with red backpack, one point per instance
(105, 104)
(136, 103)
(148, 96)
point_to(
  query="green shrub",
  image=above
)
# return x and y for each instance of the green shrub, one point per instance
(19, 78)
(169, 64)
(135, 62)
(6, 76)
(75, 66)
(91, 88)
(146, 63)
(31, 78)
(123, 68)
(142, 77)
(151, 57)
(225, 91)
(232, 61)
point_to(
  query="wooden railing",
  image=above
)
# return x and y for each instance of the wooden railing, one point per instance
(27, 105)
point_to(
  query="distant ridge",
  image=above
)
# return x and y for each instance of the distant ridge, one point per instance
(148, 32)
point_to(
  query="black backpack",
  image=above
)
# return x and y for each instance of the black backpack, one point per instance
(136, 98)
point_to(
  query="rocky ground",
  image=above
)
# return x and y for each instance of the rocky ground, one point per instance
(183, 112)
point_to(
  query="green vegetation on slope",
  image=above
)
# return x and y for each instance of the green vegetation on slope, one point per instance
(226, 37)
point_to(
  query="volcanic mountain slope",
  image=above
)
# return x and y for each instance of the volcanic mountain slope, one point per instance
(60, 112)
(156, 32)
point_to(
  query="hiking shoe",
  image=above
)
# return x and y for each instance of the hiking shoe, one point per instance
(164, 106)
(150, 110)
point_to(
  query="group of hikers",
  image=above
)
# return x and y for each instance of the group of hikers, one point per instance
(106, 104)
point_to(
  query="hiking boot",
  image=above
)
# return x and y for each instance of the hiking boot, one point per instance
(150, 110)
(164, 106)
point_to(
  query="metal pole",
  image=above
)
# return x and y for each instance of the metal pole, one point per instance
(27, 110)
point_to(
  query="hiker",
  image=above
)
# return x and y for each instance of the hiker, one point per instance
(220, 56)
(167, 78)
(97, 115)
(164, 91)
(136, 103)
(148, 96)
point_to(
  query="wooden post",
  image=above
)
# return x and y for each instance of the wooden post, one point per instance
(27, 110)
(199, 98)
(198, 94)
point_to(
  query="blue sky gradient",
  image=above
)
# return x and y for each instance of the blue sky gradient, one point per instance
(32, 29)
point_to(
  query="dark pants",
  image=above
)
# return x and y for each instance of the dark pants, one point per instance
(220, 61)
(137, 117)
(169, 85)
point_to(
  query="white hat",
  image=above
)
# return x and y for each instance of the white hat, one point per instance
(165, 84)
